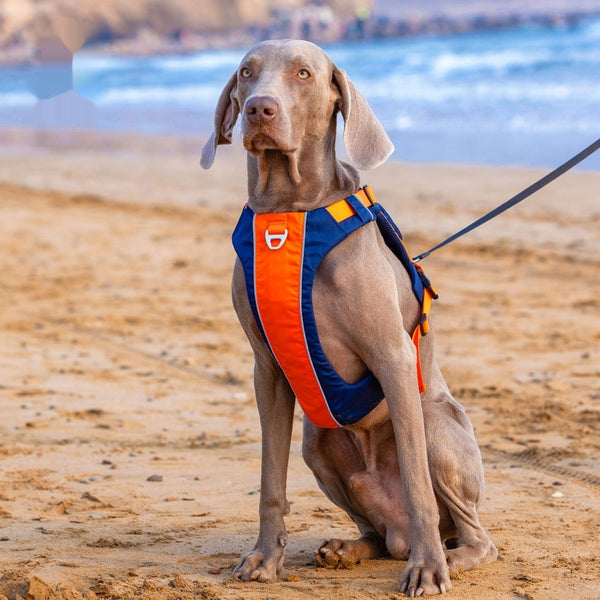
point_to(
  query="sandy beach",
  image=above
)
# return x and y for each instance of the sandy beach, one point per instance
(130, 443)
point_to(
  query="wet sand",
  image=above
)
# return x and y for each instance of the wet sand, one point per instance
(130, 446)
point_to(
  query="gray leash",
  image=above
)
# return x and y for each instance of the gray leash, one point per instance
(538, 185)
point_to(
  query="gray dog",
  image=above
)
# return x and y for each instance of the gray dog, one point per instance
(408, 471)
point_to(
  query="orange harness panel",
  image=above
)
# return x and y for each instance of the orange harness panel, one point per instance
(277, 277)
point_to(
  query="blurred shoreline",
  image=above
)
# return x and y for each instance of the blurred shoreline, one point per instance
(317, 22)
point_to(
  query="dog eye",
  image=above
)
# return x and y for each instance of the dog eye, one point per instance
(246, 72)
(303, 74)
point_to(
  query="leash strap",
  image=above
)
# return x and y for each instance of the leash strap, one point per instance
(538, 185)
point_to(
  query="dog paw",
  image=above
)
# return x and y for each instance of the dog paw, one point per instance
(259, 566)
(463, 558)
(420, 580)
(336, 554)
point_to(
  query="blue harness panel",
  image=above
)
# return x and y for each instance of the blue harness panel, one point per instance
(347, 402)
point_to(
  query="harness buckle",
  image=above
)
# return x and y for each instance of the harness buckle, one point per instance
(424, 324)
(275, 240)
(426, 283)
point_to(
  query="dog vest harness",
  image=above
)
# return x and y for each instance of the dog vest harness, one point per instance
(280, 254)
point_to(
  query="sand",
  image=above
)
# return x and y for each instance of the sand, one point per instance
(130, 443)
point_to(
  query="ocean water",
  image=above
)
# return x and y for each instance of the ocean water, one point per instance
(528, 96)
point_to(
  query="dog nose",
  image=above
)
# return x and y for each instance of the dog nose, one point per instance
(261, 109)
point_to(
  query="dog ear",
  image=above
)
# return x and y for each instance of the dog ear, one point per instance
(365, 139)
(226, 115)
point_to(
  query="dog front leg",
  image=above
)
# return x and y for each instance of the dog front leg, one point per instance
(426, 571)
(275, 401)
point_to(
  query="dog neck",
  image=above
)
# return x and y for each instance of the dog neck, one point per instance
(307, 178)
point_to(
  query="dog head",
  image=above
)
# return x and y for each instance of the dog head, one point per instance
(288, 92)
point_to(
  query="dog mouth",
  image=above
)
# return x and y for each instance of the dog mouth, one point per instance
(258, 137)
(261, 141)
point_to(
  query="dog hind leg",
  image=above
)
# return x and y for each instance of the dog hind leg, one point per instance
(457, 476)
